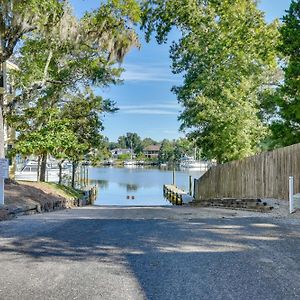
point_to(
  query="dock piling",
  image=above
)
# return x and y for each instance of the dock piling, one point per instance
(190, 185)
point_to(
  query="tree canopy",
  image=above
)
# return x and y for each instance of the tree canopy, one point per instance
(21, 17)
(18, 19)
(226, 54)
(282, 105)
(56, 75)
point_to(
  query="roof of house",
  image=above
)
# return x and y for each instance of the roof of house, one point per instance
(152, 148)
(120, 150)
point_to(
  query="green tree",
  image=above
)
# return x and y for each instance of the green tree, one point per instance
(166, 152)
(131, 141)
(122, 143)
(183, 147)
(124, 156)
(83, 112)
(148, 142)
(76, 54)
(282, 106)
(17, 20)
(173, 151)
(134, 140)
(102, 152)
(54, 137)
(113, 145)
(71, 131)
(226, 53)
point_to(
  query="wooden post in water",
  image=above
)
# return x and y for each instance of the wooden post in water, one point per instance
(173, 181)
(84, 183)
(87, 175)
(81, 176)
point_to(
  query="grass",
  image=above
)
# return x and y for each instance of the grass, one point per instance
(61, 190)
(65, 191)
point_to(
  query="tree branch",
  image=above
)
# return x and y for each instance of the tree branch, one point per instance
(47, 66)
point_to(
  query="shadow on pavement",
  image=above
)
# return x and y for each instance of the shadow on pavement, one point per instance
(232, 258)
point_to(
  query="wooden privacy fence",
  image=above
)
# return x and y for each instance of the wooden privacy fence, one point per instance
(263, 176)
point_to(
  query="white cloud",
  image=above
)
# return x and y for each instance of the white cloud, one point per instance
(162, 106)
(167, 108)
(150, 112)
(149, 72)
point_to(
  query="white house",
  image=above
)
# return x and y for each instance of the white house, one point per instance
(118, 151)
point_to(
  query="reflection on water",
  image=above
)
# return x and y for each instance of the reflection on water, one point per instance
(103, 184)
(129, 187)
(136, 186)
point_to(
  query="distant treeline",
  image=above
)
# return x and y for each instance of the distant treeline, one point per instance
(169, 150)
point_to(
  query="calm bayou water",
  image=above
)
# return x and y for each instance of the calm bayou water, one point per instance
(115, 185)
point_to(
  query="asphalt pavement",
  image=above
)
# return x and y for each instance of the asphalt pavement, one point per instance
(159, 253)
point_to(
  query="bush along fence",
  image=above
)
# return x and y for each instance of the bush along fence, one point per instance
(261, 176)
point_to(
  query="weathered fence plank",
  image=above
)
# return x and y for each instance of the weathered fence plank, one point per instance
(262, 176)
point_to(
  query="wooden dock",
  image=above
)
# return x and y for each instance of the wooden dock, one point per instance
(175, 195)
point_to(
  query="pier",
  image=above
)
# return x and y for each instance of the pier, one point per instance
(175, 195)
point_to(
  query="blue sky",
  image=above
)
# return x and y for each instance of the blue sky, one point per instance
(146, 103)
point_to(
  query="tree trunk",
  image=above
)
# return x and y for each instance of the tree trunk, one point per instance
(38, 168)
(60, 172)
(74, 168)
(43, 167)
(2, 152)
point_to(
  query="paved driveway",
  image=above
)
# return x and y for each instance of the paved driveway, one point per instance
(149, 253)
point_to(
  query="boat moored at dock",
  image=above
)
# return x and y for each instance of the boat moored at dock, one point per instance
(191, 163)
(29, 171)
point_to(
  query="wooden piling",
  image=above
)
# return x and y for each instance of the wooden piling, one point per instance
(173, 194)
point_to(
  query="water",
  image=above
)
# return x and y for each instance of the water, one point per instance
(144, 185)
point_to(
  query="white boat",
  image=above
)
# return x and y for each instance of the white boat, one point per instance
(130, 163)
(29, 172)
(109, 162)
(188, 162)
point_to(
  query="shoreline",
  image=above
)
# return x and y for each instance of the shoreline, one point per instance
(26, 198)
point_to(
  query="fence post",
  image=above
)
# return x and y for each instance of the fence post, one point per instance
(291, 194)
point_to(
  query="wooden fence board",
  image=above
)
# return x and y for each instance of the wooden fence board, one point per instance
(263, 176)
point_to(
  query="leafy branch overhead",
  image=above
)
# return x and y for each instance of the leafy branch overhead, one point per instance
(282, 105)
(76, 52)
(55, 110)
(235, 101)
(21, 17)
(226, 54)
(67, 131)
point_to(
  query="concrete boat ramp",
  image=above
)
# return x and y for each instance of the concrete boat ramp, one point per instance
(154, 253)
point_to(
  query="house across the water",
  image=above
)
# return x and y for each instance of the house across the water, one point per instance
(152, 151)
(118, 151)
